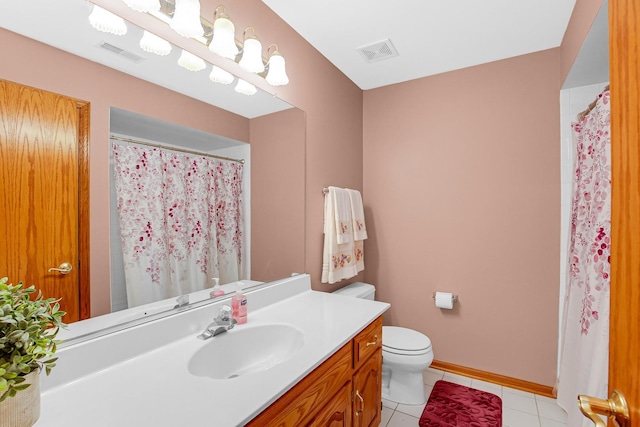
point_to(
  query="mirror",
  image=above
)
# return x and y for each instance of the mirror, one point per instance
(274, 129)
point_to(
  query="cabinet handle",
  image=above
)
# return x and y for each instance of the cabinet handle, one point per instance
(375, 337)
(361, 403)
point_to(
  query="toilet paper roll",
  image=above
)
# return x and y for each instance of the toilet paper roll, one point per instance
(444, 300)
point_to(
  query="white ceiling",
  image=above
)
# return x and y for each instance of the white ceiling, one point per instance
(431, 36)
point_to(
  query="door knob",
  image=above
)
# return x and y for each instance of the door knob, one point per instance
(64, 268)
(615, 408)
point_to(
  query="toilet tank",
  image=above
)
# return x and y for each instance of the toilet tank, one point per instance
(358, 290)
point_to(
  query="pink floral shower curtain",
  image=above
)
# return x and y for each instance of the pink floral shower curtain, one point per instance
(181, 221)
(585, 349)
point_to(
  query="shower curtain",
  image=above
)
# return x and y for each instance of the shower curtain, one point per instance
(181, 221)
(585, 349)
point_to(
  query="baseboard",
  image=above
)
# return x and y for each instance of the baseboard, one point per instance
(494, 378)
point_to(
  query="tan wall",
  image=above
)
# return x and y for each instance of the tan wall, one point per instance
(462, 186)
(277, 195)
(462, 195)
(333, 107)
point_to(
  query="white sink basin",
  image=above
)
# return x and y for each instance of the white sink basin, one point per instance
(245, 349)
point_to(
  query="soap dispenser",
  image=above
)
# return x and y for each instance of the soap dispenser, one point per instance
(217, 289)
(239, 305)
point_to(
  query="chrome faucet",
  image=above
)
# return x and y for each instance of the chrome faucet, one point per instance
(221, 323)
(182, 301)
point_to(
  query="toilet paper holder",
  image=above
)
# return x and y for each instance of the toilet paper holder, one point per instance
(455, 297)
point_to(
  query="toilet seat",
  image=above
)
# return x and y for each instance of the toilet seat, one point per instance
(404, 341)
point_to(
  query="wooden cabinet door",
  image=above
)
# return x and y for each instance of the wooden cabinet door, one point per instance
(336, 413)
(335, 387)
(299, 404)
(367, 392)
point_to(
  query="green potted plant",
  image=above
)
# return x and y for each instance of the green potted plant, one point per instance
(29, 324)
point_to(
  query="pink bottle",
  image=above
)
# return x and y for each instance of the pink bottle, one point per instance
(239, 306)
(217, 290)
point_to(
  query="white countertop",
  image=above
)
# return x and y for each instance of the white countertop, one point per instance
(155, 388)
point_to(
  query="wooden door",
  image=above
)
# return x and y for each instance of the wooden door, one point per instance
(624, 331)
(367, 391)
(624, 346)
(40, 169)
(337, 412)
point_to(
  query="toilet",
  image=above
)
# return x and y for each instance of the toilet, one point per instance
(405, 354)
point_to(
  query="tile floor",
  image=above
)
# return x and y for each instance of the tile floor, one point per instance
(519, 408)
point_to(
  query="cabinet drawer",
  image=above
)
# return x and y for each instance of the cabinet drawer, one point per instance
(367, 342)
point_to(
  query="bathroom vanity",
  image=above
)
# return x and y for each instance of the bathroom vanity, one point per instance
(344, 391)
(303, 358)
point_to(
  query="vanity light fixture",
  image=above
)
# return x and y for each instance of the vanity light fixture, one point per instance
(183, 16)
(245, 88)
(191, 62)
(276, 72)
(186, 18)
(143, 6)
(218, 75)
(251, 53)
(223, 42)
(107, 22)
(154, 44)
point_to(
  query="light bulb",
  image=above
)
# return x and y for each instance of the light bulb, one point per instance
(277, 75)
(252, 56)
(218, 75)
(154, 44)
(107, 22)
(191, 62)
(143, 5)
(186, 18)
(223, 42)
(245, 88)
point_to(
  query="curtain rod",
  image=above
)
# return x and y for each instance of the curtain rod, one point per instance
(592, 105)
(168, 147)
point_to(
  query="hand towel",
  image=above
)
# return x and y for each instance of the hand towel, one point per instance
(342, 206)
(338, 260)
(357, 215)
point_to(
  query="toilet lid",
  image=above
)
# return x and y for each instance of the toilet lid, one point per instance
(404, 341)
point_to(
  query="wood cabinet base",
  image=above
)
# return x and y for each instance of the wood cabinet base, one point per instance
(346, 390)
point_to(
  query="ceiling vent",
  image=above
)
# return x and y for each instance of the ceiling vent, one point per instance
(120, 52)
(378, 51)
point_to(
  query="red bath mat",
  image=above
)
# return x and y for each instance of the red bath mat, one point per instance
(456, 405)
